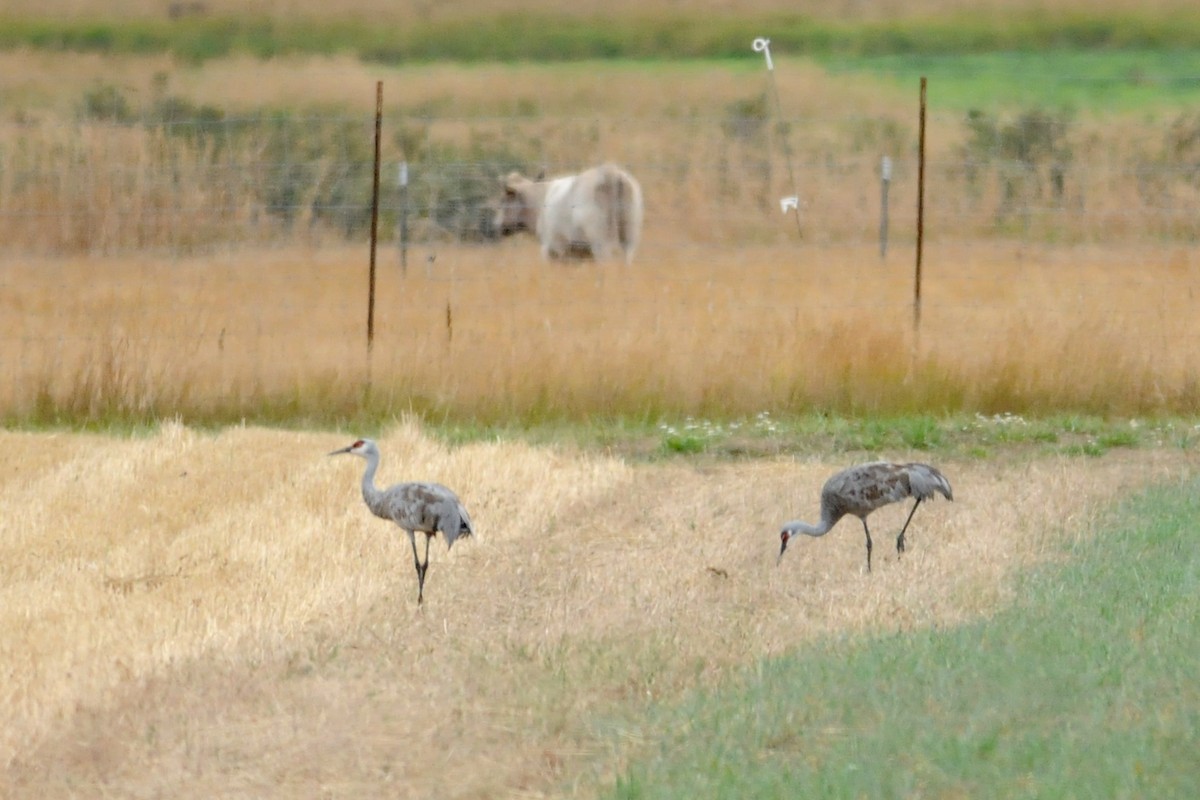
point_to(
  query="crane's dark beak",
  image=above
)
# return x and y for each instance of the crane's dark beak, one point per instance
(343, 450)
(783, 541)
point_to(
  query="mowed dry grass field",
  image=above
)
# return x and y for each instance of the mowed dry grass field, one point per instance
(194, 614)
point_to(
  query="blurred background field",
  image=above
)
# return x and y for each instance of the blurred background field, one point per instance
(179, 239)
(520, 30)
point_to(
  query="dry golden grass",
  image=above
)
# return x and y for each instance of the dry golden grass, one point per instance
(103, 188)
(199, 615)
(724, 309)
(98, 187)
(684, 330)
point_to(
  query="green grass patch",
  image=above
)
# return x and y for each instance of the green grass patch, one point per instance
(548, 37)
(650, 436)
(849, 439)
(1115, 80)
(1088, 687)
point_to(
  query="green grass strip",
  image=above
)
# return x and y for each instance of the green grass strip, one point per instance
(1104, 80)
(657, 36)
(1088, 687)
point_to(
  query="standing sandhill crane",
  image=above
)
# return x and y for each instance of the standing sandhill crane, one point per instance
(862, 489)
(424, 507)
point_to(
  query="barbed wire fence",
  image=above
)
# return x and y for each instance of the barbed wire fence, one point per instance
(204, 188)
(192, 185)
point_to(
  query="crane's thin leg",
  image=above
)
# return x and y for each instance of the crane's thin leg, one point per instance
(421, 569)
(868, 532)
(900, 538)
(412, 539)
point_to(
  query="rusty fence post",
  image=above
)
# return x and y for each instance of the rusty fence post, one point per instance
(920, 217)
(374, 218)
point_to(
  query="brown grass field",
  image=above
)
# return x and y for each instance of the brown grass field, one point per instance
(726, 310)
(725, 332)
(197, 614)
(100, 187)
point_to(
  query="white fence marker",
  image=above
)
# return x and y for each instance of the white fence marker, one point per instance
(791, 202)
(763, 46)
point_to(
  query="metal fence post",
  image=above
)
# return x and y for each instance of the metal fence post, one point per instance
(920, 217)
(374, 217)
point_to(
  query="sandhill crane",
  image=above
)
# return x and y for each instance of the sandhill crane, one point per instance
(424, 507)
(861, 489)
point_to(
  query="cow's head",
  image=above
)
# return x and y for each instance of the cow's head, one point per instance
(517, 207)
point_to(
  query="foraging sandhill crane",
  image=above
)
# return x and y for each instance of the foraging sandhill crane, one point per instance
(424, 507)
(861, 489)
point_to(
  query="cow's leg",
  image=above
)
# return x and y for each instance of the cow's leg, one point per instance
(603, 250)
(594, 231)
(555, 248)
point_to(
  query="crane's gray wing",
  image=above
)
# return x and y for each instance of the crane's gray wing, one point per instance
(865, 487)
(427, 507)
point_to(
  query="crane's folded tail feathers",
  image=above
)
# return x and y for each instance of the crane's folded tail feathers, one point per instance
(943, 485)
(926, 480)
(463, 530)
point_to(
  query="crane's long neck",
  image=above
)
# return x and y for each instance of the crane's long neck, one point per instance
(370, 492)
(820, 529)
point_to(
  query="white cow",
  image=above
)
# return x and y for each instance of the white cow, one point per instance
(595, 214)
